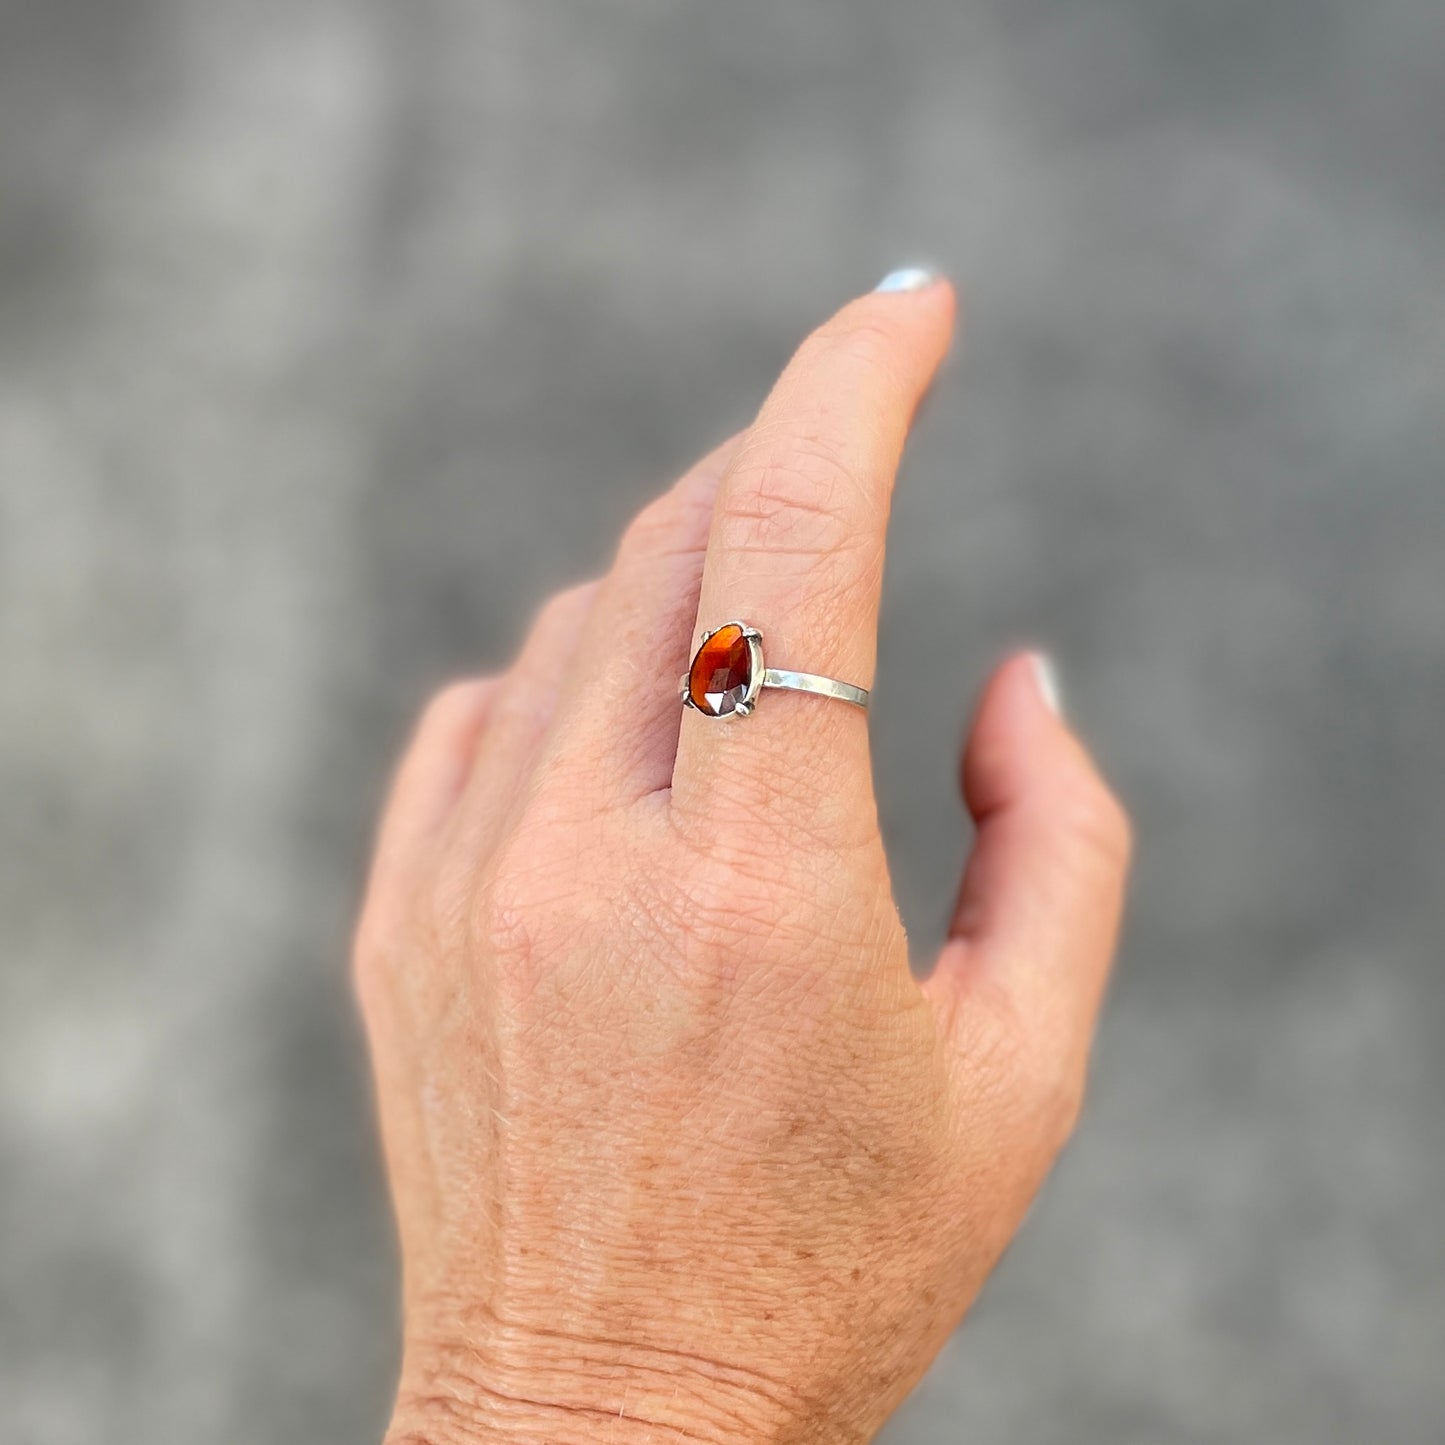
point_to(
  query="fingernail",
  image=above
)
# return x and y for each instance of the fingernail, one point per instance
(910, 278)
(1046, 679)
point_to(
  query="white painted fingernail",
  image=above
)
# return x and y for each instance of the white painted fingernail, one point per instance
(1046, 679)
(910, 278)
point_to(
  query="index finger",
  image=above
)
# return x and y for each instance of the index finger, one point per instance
(796, 551)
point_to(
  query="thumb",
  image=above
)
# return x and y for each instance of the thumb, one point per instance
(1038, 909)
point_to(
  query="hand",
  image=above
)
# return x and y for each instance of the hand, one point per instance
(679, 1149)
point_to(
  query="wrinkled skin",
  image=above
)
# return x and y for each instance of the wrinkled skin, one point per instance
(679, 1148)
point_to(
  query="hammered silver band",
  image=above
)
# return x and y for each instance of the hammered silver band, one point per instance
(812, 682)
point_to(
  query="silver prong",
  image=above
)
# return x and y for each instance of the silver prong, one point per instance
(752, 632)
(743, 709)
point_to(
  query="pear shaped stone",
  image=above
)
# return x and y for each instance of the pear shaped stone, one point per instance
(722, 672)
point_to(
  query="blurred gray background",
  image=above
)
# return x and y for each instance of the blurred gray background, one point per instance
(334, 335)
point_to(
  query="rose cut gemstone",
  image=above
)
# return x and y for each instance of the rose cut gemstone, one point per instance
(722, 672)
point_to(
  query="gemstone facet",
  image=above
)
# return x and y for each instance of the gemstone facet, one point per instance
(721, 677)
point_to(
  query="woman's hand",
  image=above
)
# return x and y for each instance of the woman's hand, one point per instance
(680, 1151)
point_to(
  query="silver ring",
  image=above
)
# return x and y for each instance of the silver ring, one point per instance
(727, 674)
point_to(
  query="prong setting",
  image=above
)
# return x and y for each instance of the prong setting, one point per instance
(754, 640)
(726, 673)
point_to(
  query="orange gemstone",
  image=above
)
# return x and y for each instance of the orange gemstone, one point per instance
(722, 672)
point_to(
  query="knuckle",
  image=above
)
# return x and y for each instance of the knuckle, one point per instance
(732, 908)
(1099, 820)
(734, 911)
(506, 936)
(562, 610)
(368, 951)
(382, 937)
(1057, 1089)
(505, 929)
(416, 920)
(649, 531)
(719, 904)
(802, 500)
(1033, 1069)
(792, 807)
(676, 521)
(857, 334)
(527, 907)
(454, 704)
(784, 491)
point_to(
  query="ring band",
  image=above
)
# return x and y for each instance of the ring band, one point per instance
(812, 682)
(727, 674)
